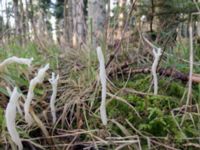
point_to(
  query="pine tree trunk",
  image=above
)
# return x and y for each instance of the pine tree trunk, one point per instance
(17, 20)
(31, 14)
(97, 20)
(79, 24)
(22, 22)
(65, 14)
(8, 23)
(69, 21)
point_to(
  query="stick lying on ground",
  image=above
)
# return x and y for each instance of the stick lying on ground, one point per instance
(38, 79)
(54, 83)
(10, 116)
(168, 72)
(14, 59)
(102, 75)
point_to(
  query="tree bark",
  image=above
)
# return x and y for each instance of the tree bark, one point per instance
(97, 19)
(121, 18)
(17, 20)
(79, 24)
(69, 21)
(22, 22)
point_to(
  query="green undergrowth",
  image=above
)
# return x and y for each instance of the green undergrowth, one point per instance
(159, 117)
(146, 115)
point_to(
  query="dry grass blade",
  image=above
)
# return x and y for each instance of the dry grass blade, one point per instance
(122, 128)
(41, 126)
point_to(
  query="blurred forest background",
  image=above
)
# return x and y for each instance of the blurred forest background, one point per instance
(65, 34)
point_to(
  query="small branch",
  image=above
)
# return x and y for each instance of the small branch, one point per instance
(168, 72)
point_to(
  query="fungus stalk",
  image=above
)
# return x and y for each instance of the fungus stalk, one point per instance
(10, 116)
(156, 55)
(14, 59)
(17, 105)
(54, 83)
(38, 79)
(102, 75)
(189, 95)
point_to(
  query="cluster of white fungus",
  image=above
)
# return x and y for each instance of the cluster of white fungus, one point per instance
(14, 96)
(10, 114)
(13, 104)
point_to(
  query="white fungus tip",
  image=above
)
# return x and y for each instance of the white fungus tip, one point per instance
(54, 83)
(9, 91)
(10, 116)
(143, 18)
(14, 59)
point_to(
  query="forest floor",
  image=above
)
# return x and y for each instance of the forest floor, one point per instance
(137, 119)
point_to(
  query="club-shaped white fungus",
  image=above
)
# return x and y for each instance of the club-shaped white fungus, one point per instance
(54, 83)
(10, 116)
(102, 75)
(38, 79)
(14, 59)
(18, 107)
(143, 18)
(156, 55)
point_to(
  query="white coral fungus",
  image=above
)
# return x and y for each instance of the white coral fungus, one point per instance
(10, 116)
(14, 59)
(54, 83)
(143, 18)
(157, 55)
(38, 79)
(102, 75)
(18, 106)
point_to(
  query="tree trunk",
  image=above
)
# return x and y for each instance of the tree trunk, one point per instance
(69, 19)
(97, 20)
(121, 18)
(8, 23)
(27, 20)
(31, 14)
(79, 24)
(66, 35)
(22, 22)
(17, 20)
